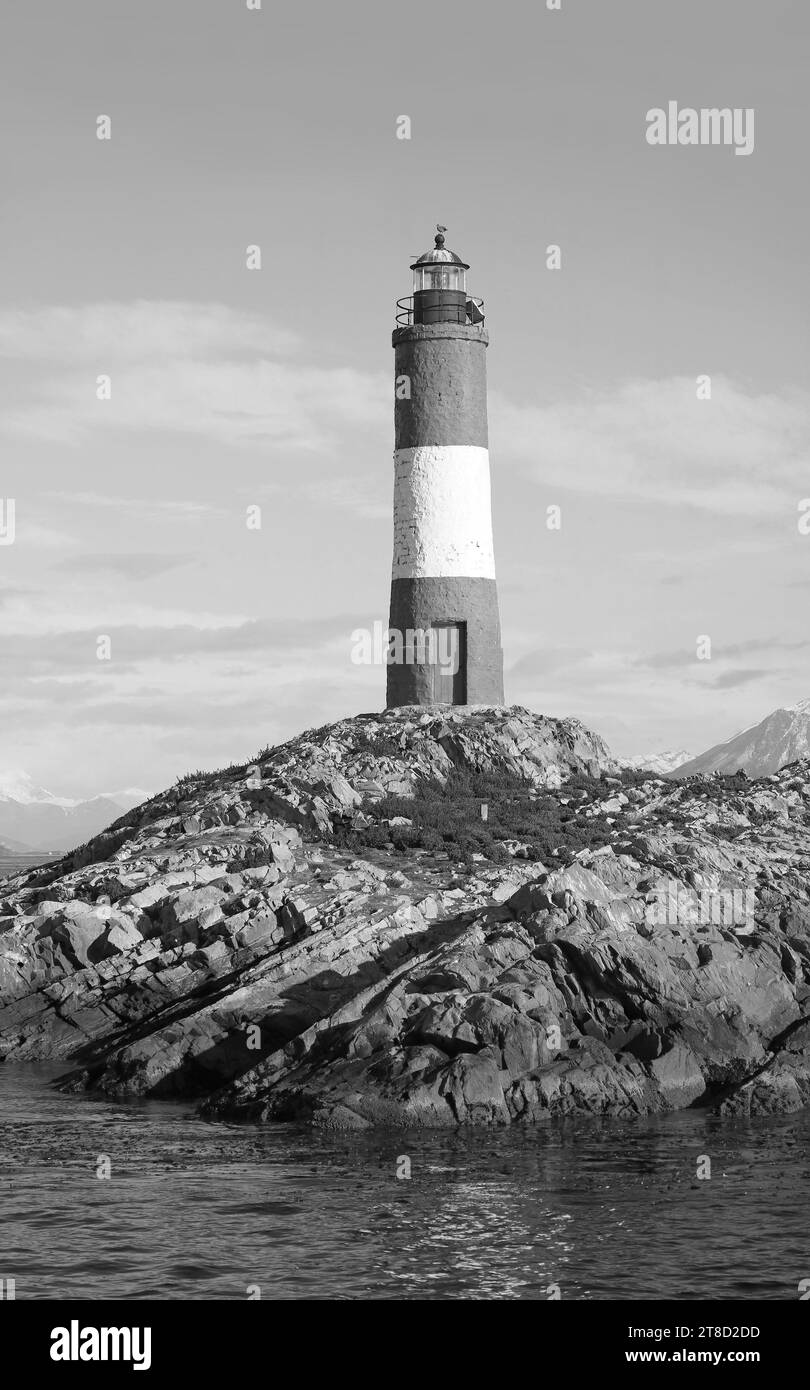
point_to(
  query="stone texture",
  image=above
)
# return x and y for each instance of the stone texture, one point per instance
(446, 367)
(679, 1078)
(418, 603)
(442, 513)
(248, 961)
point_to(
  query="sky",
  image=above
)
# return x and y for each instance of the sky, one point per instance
(233, 389)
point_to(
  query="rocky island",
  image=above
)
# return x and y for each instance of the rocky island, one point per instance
(469, 916)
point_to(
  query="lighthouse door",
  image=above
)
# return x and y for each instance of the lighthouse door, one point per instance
(449, 664)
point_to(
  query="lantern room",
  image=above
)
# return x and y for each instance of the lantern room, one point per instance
(440, 287)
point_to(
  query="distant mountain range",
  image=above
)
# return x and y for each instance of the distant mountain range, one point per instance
(33, 818)
(9, 846)
(780, 738)
(658, 762)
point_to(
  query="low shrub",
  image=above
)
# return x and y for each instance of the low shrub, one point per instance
(446, 819)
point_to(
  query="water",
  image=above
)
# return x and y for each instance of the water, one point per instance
(11, 864)
(192, 1210)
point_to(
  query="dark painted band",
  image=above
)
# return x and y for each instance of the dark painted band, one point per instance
(445, 399)
(418, 332)
(416, 604)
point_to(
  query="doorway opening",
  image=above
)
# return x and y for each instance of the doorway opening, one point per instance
(449, 663)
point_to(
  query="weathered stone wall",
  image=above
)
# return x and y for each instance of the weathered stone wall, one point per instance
(446, 367)
(442, 513)
(417, 604)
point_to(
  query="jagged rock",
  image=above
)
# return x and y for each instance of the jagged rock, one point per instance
(258, 929)
(530, 898)
(473, 1088)
(78, 928)
(679, 1078)
(390, 988)
(122, 936)
(189, 916)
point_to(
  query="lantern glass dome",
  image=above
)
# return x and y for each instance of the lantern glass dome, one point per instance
(439, 285)
(438, 276)
(439, 268)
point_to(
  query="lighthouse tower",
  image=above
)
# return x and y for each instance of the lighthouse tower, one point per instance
(444, 601)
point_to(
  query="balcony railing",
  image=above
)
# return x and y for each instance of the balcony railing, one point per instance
(475, 311)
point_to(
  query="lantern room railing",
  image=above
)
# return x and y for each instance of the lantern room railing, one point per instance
(475, 311)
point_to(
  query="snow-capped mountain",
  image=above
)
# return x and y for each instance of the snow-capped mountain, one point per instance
(780, 738)
(658, 762)
(31, 817)
(16, 785)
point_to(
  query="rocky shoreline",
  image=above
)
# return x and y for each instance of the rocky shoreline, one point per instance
(246, 940)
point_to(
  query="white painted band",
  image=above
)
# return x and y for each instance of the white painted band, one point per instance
(442, 513)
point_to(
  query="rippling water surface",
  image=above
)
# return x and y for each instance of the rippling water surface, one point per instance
(604, 1209)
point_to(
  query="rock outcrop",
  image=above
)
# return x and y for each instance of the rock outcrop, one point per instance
(230, 940)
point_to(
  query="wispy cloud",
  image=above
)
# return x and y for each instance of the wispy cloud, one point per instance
(188, 369)
(145, 508)
(367, 497)
(130, 566)
(740, 453)
(542, 662)
(137, 331)
(680, 657)
(734, 680)
(66, 652)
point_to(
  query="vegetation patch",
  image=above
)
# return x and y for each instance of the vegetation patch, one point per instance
(447, 819)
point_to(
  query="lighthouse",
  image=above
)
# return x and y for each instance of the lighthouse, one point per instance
(444, 625)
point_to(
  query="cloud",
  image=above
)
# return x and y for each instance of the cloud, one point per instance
(545, 661)
(740, 453)
(140, 331)
(353, 494)
(63, 653)
(54, 613)
(189, 369)
(36, 536)
(208, 711)
(130, 566)
(683, 656)
(732, 680)
(14, 593)
(145, 508)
